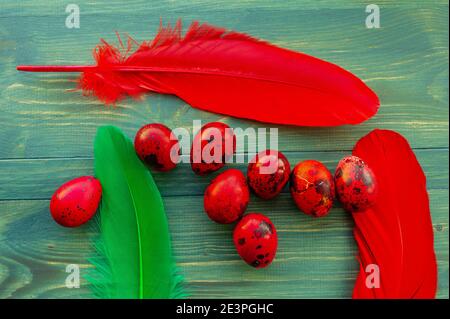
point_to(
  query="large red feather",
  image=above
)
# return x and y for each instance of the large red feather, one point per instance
(396, 234)
(229, 73)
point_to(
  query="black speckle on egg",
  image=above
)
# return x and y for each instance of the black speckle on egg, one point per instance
(152, 160)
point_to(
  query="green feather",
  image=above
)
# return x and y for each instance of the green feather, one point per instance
(134, 258)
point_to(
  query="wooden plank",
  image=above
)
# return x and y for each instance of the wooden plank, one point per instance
(409, 73)
(104, 7)
(316, 257)
(38, 178)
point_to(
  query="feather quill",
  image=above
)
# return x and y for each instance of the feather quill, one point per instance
(396, 234)
(230, 73)
(134, 257)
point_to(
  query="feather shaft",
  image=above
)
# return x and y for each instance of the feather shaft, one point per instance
(54, 68)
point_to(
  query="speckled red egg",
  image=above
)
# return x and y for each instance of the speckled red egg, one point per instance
(76, 201)
(226, 197)
(268, 173)
(312, 188)
(157, 147)
(356, 185)
(212, 146)
(255, 239)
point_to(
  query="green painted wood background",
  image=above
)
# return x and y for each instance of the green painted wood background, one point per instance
(46, 137)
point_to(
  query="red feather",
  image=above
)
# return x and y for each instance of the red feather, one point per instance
(396, 234)
(229, 73)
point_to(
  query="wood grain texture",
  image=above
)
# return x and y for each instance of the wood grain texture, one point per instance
(46, 134)
(52, 172)
(316, 257)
